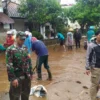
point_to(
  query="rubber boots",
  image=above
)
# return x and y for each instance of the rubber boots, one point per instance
(49, 74)
(39, 76)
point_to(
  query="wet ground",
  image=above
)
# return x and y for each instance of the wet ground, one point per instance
(69, 79)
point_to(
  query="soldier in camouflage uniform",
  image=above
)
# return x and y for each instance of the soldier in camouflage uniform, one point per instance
(19, 69)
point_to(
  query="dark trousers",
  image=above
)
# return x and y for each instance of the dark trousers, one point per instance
(42, 60)
(22, 90)
(77, 42)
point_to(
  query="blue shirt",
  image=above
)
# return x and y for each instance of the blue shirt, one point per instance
(28, 43)
(39, 48)
(60, 36)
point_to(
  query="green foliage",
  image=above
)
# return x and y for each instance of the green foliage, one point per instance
(43, 11)
(62, 29)
(40, 11)
(85, 12)
(37, 35)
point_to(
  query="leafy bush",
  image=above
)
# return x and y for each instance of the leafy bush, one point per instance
(62, 30)
(37, 35)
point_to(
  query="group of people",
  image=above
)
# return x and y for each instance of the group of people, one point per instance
(19, 66)
(69, 41)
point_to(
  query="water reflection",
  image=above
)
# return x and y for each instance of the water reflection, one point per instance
(38, 98)
(56, 68)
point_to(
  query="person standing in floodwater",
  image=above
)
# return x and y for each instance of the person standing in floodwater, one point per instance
(62, 40)
(77, 37)
(93, 65)
(69, 40)
(90, 33)
(28, 42)
(19, 69)
(42, 58)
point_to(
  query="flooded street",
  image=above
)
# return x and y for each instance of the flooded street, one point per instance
(69, 79)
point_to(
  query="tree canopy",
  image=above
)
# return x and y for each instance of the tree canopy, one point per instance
(86, 12)
(40, 11)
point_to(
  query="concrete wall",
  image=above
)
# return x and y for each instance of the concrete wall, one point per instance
(19, 24)
(55, 41)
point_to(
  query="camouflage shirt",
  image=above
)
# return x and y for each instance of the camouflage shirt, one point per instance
(18, 62)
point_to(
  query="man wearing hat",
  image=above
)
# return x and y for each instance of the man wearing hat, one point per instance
(28, 42)
(42, 57)
(9, 39)
(19, 69)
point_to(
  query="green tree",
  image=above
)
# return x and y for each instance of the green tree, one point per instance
(86, 12)
(40, 11)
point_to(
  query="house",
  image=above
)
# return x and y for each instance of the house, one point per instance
(11, 9)
(20, 23)
(4, 19)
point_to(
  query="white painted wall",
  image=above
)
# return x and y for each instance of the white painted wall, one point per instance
(42, 29)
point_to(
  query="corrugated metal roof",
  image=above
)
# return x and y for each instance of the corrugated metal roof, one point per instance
(5, 19)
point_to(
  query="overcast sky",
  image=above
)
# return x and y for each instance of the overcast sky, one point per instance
(67, 1)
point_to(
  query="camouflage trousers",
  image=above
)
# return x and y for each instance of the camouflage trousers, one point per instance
(95, 79)
(22, 90)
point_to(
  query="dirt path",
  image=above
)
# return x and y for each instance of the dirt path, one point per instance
(69, 79)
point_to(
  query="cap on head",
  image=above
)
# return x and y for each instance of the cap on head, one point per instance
(9, 32)
(97, 33)
(28, 33)
(22, 35)
(34, 39)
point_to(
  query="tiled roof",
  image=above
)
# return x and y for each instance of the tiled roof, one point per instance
(5, 19)
(13, 10)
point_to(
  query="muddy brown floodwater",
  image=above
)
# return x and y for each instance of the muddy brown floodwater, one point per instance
(69, 79)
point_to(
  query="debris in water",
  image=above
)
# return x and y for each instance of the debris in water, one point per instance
(56, 94)
(78, 82)
(85, 87)
(86, 92)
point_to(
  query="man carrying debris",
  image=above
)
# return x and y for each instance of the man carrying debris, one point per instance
(19, 69)
(93, 65)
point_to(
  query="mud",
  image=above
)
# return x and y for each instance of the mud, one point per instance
(69, 79)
